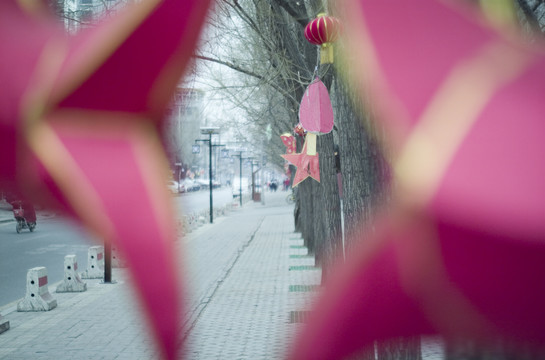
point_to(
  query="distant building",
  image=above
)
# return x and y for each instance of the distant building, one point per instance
(184, 123)
(79, 14)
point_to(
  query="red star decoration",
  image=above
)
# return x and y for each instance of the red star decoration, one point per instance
(461, 251)
(307, 165)
(79, 131)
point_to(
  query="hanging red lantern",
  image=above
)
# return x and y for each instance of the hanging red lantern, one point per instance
(323, 31)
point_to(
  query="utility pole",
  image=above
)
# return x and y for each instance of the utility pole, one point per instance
(210, 131)
(240, 158)
(251, 158)
(240, 180)
(239, 155)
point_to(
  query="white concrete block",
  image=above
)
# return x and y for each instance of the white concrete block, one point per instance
(118, 261)
(37, 296)
(72, 281)
(4, 325)
(95, 263)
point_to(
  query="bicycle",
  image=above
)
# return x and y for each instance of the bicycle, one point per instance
(290, 199)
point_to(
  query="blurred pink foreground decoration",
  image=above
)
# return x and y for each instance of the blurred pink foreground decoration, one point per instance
(79, 131)
(462, 253)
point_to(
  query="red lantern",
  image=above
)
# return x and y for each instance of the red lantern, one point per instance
(323, 31)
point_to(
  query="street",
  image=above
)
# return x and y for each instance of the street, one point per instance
(200, 200)
(56, 237)
(46, 246)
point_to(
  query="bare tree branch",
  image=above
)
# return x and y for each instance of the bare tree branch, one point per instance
(247, 72)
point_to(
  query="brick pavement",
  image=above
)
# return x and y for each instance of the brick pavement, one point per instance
(248, 317)
(250, 281)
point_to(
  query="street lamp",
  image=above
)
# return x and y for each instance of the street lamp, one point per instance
(240, 158)
(210, 131)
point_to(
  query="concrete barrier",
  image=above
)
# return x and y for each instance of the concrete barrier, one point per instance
(117, 260)
(182, 226)
(220, 211)
(4, 324)
(185, 225)
(194, 221)
(95, 263)
(191, 222)
(203, 217)
(72, 282)
(37, 296)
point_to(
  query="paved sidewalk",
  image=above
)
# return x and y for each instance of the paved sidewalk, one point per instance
(256, 311)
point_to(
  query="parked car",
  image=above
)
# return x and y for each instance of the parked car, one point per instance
(196, 186)
(204, 183)
(191, 185)
(173, 186)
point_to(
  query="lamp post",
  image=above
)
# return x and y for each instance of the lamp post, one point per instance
(210, 131)
(240, 158)
(251, 158)
(240, 180)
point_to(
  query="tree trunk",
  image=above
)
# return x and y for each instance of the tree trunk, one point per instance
(365, 354)
(498, 350)
(365, 180)
(328, 226)
(399, 349)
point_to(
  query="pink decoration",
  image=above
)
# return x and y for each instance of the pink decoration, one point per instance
(315, 111)
(307, 165)
(461, 252)
(79, 116)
